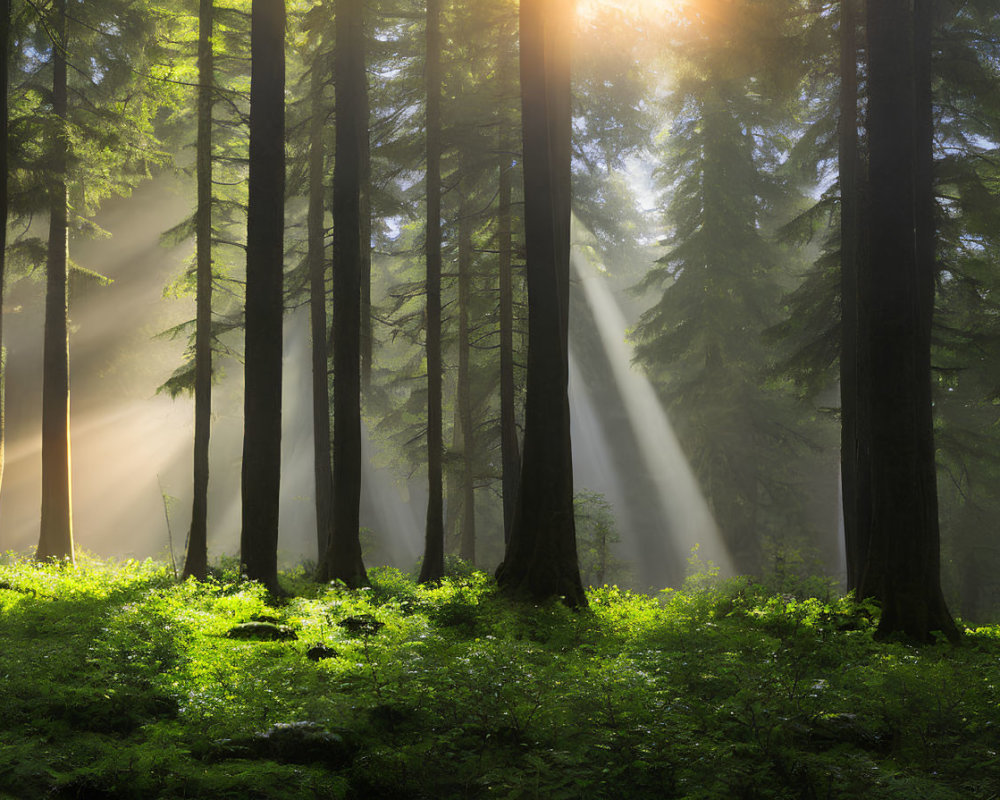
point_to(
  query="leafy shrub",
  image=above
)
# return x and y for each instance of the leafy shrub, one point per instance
(120, 682)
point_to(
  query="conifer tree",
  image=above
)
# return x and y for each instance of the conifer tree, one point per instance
(965, 356)
(853, 363)
(316, 259)
(432, 567)
(99, 141)
(721, 277)
(541, 558)
(343, 559)
(901, 567)
(56, 536)
(264, 301)
(217, 109)
(824, 317)
(196, 560)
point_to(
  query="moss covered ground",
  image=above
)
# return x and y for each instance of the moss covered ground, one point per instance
(116, 681)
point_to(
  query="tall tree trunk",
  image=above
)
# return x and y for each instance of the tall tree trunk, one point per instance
(510, 455)
(367, 332)
(264, 301)
(541, 559)
(467, 544)
(901, 570)
(56, 536)
(853, 447)
(5, 55)
(343, 557)
(454, 499)
(316, 255)
(432, 567)
(925, 217)
(196, 561)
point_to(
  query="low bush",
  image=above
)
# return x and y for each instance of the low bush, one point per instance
(119, 682)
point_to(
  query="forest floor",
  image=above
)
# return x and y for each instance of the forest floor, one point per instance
(118, 682)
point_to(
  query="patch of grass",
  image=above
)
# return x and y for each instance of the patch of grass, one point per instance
(120, 683)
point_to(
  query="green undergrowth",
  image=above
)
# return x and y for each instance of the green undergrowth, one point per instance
(118, 682)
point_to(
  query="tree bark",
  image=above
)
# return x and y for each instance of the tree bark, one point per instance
(56, 536)
(316, 255)
(454, 498)
(343, 559)
(925, 220)
(367, 328)
(432, 567)
(264, 301)
(467, 542)
(901, 570)
(853, 446)
(510, 455)
(196, 561)
(510, 452)
(541, 559)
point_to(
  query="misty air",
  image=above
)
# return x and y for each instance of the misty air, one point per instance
(528, 399)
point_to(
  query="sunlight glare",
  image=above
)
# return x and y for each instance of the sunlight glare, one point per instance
(665, 11)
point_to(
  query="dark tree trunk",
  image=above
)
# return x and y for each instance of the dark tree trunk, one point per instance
(367, 332)
(510, 453)
(264, 301)
(432, 567)
(925, 218)
(467, 542)
(56, 536)
(853, 448)
(5, 54)
(509, 450)
(901, 569)
(316, 255)
(196, 561)
(541, 559)
(453, 488)
(343, 557)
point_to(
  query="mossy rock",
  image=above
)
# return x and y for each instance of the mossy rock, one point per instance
(361, 625)
(261, 631)
(289, 743)
(318, 652)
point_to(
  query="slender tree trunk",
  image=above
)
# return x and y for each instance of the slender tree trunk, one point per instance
(454, 498)
(432, 567)
(901, 570)
(56, 537)
(264, 301)
(5, 55)
(343, 557)
(541, 558)
(925, 216)
(467, 544)
(322, 467)
(367, 332)
(196, 562)
(510, 455)
(853, 447)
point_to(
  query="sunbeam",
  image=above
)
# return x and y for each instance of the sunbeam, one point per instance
(688, 522)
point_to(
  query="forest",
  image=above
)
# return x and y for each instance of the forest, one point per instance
(549, 399)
